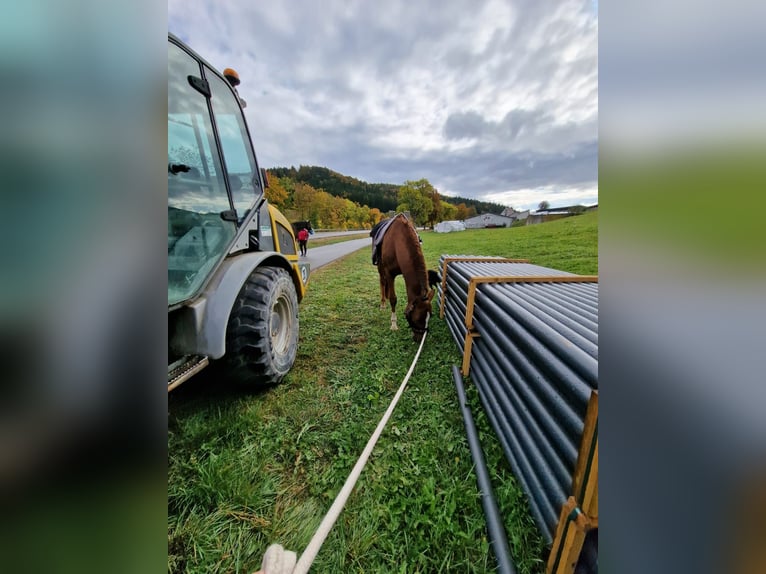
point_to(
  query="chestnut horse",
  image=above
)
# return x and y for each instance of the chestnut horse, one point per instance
(400, 254)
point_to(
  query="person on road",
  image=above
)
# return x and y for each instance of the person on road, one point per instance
(303, 239)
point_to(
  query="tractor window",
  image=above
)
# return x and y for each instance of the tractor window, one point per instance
(235, 142)
(197, 235)
(286, 242)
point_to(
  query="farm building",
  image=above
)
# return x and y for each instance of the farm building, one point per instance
(488, 220)
(515, 215)
(553, 213)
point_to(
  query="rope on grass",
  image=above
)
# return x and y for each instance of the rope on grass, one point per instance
(277, 560)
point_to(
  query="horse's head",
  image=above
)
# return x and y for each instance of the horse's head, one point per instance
(416, 314)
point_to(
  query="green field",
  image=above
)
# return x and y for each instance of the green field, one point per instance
(569, 244)
(251, 467)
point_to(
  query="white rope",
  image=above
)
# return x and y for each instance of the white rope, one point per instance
(281, 562)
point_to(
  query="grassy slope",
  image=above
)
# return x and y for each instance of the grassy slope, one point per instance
(248, 468)
(569, 244)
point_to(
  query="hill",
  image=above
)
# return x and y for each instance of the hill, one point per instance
(375, 195)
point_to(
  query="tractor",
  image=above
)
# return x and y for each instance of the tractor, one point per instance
(234, 276)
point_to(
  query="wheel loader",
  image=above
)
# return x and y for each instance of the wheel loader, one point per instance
(234, 278)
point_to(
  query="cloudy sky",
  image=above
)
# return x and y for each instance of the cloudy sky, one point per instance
(496, 100)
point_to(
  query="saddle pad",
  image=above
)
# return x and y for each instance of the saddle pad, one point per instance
(377, 234)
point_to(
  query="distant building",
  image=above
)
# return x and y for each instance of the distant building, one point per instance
(487, 220)
(449, 226)
(553, 213)
(515, 215)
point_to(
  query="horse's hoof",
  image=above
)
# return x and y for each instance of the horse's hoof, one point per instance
(383, 307)
(394, 328)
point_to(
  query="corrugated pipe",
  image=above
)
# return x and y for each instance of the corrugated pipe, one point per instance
(534, 363)
(520, 393)
(540, 362)
(526, 463)
(534, 427)
(495, 529)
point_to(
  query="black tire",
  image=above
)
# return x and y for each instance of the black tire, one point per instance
(262, 333)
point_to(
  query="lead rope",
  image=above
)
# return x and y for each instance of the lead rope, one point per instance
(277, 560)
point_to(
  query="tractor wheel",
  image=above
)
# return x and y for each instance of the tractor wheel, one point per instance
(262, 334)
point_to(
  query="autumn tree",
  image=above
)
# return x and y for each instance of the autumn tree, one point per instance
(374, 217)
(449, 211)
(464, 212)
(323, 210)
(415, 197)
(436, 214)
(276, 193)
(359, 215)
(304, 200)
(300, 200)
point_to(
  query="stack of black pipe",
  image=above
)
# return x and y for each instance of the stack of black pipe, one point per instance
(534, 364)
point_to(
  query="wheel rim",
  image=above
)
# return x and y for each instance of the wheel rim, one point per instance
(280, 325)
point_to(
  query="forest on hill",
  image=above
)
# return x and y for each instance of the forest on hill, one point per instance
(381, 196)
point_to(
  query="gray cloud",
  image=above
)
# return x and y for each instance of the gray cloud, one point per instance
(471, 125)
(465, 125)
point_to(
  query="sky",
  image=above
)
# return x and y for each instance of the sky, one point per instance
(495, 100)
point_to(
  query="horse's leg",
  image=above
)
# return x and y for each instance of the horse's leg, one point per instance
(392, 300)
(382, 292)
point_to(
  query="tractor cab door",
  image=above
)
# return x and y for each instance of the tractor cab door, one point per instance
(213, 178)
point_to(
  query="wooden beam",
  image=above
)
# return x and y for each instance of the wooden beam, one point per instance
(570, 536)
(467, 348)
(579, 513)
(588, 449)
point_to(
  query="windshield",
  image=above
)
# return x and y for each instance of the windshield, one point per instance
(197, 195)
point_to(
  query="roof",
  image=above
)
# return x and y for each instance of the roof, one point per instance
(482, 215)
(566, 209)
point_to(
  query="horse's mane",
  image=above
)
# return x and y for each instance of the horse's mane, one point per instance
(419, 261)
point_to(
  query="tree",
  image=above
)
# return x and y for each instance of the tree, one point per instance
(449, 211)
(543, 205)
(464, 212)
(374, 216)
(415, 197)
(276, 193)
(304, 199)
(437, 212)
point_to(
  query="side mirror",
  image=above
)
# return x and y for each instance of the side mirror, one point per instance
(265, 177)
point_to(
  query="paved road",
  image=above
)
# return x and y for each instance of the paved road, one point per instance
(319, 256)
(320, 234)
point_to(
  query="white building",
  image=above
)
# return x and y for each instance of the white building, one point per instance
(449, 226)
(515, 215)
(488, 220)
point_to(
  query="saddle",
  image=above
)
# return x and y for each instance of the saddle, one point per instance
(377, 234)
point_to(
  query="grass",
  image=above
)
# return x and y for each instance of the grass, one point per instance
(569, 244)
(250, 467)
